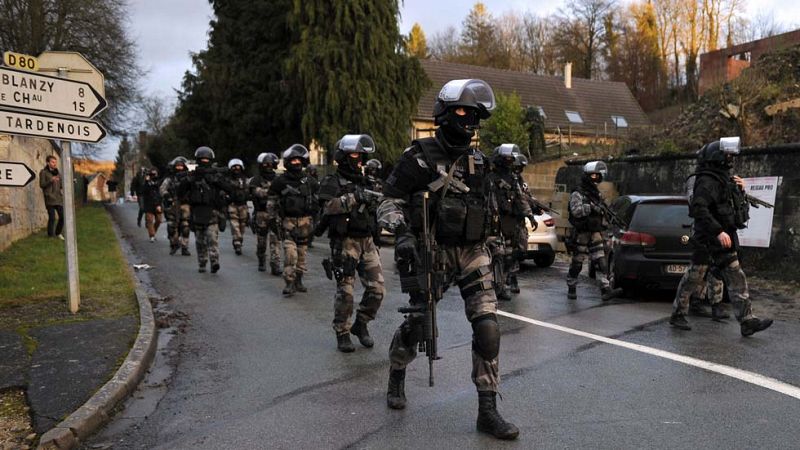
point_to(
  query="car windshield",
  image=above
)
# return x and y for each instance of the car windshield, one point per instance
(661, 215)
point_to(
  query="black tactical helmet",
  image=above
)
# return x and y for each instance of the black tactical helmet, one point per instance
(267, 157)
(719, 153)
(349, 144)
(294, 152)
(476, 94)
(504, 155)
(373, 167)
(204, 152)
(595, 168)
(520, 161)
(178, 160)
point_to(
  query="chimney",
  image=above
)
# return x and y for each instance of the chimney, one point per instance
(568, 75)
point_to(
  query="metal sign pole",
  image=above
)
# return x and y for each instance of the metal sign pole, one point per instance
(70, 232)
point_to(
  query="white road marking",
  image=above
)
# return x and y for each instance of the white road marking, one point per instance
(739, 374)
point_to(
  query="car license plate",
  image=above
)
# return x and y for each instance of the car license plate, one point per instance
(533, 247)
(675, 268)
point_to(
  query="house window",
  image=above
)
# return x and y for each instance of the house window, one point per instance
(619, 121)
(574, 116)
(541, 112)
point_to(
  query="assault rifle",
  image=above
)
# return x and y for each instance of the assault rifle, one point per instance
(427, 279)
(757, 202)
(542, 206)
(607, 212)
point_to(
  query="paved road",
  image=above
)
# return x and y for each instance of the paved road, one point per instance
(256, 370)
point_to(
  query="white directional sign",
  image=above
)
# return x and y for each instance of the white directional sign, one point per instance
(38, 125)
(26, 90)
(15, 174)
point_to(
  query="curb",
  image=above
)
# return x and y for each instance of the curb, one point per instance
(96, 411)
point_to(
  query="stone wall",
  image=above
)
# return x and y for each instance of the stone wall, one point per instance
(666, 175)
(23, 206)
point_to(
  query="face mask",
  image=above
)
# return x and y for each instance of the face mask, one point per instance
(459, 130)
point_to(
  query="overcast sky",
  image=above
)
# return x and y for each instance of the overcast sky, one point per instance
(167, 31)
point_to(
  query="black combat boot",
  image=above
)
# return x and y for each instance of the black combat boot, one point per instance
(396, 395)
(679, 321)
(609, 293)
(503, 295)
(359, 330)
(298, 283)
(173, 249)
(512, 281)
(238, 251)
(343, 343)
(754, 325)
(202, 269)
(572, 293)
(490, 421)
(718, 313)
(262, 263)
(185, 252)
(288, 291)
(214, 267)
(275, 269)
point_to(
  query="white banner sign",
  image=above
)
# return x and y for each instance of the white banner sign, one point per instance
(759, 228)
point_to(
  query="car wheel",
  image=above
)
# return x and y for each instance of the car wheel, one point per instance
(628, 287)
(544, 259)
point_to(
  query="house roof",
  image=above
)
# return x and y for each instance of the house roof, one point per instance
(596, 101)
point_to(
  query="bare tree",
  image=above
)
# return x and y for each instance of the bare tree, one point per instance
(580, 33)
(94, 28)
(444, 45)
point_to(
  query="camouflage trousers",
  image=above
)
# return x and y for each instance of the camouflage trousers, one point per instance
(178, 226)
(350, 253)
(588, 244)
(152, 222)
(207, 241)
(296, 231)
(267, 236)
(239, 216)
(470, 267)
(719, 269)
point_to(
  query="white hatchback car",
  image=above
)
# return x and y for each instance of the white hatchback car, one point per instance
(542, 242)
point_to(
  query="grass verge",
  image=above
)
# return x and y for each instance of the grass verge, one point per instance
(34, 280)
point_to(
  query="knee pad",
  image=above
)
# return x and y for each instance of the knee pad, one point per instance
(727, 261)
(486, 336)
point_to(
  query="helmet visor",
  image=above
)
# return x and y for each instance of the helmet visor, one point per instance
(454, 90)
(730, 145)
(356, 143)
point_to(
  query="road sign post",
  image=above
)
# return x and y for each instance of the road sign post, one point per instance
(15, 174)
(38, 104)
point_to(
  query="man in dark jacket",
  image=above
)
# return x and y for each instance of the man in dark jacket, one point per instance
(719, 209)
(151, 202)
(266, 220)
(50, 182)
(136, 190)
(238, 213)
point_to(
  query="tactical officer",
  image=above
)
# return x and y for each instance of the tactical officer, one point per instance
(176, 209)
(151, 202)
(349, 216)
(204, 188)
(719, 208)
(447, 170)
(587, 216)
(293, 192)
(238, 213)
(513, 208)
(372, 170)
(267, 223)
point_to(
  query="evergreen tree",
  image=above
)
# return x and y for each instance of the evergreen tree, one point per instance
(480, 40)
(417, 45)
(238, 100)
(123, 151)
(506, 126)
(352, 74)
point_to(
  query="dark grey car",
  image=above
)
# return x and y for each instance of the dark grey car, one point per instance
(652, 251)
